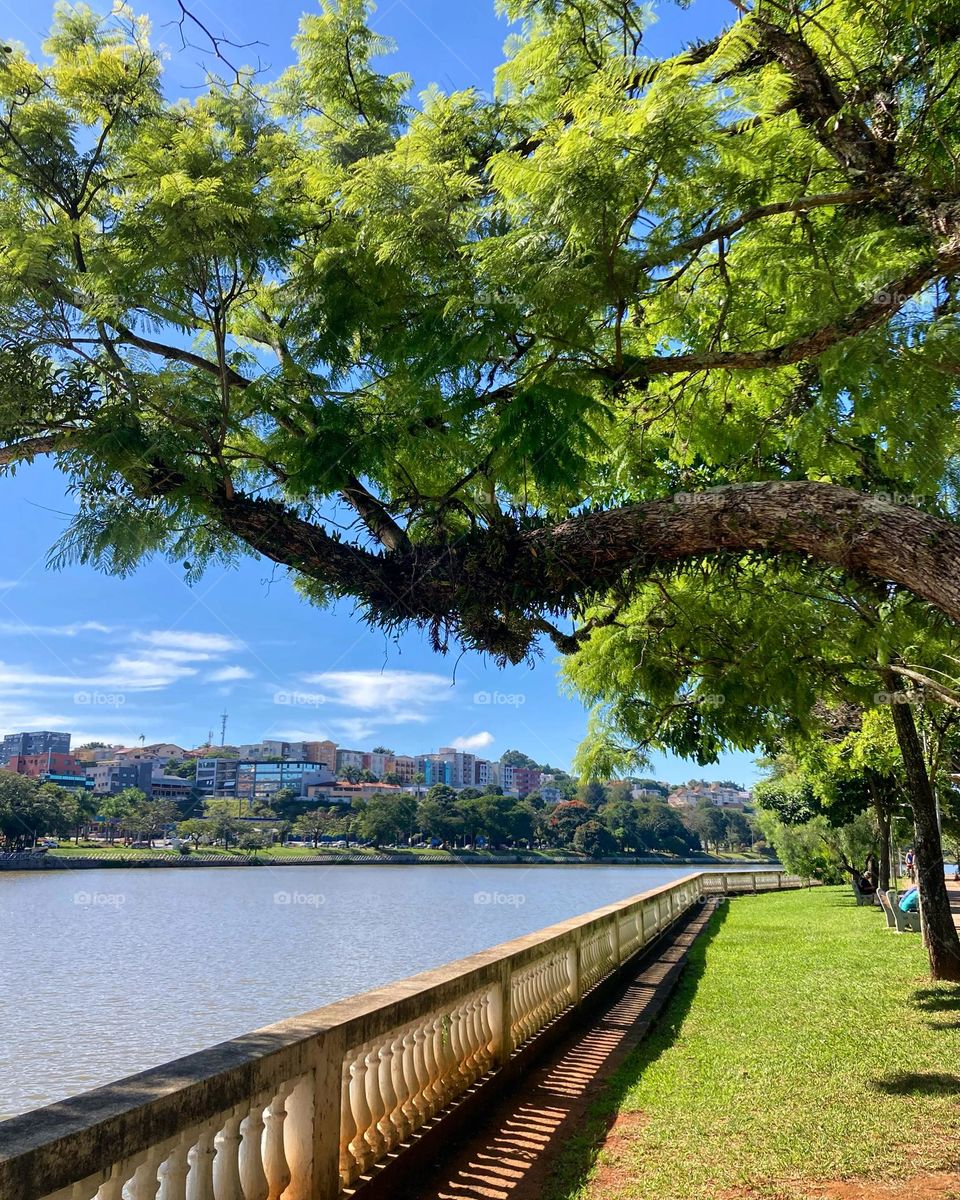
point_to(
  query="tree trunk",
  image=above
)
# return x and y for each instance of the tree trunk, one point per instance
(943, 943)
(883, 822)
(875, 784)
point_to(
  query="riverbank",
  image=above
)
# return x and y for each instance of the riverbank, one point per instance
(66, 858)
(802, 1056)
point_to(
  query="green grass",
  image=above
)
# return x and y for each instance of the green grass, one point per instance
(802, 1044)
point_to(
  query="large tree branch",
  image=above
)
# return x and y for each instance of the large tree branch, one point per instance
(749, 217)
(494, 585)
(878, 308)
(475, 583)
(28, 449)
(374, 515)
(177, 354)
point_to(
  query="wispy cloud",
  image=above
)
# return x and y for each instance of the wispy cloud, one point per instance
(42, 631)
(474, 741)
(229, 674)
(186, 641)
(387, 692)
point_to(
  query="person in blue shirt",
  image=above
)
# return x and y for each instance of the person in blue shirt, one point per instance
(910, 900)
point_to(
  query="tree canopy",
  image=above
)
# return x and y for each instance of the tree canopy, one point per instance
(641, 312)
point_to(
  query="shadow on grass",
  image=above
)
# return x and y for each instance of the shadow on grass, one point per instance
(937, 999)
(918, 1083)
(578, 1158)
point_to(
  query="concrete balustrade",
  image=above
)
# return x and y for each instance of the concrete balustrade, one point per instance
(309, 1107)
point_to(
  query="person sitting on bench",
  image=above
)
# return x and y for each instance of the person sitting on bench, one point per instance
(910, 900)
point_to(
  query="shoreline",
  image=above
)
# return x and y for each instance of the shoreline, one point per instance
(30, 861)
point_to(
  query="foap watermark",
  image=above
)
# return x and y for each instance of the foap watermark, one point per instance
(911, 499)
(712, 700)
(512, 899)
(300, 699)
(99, 899)
(100, 699)
(303, 899)
(509, 699)
(914, 698)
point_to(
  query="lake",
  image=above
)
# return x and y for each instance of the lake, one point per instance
(106, 972)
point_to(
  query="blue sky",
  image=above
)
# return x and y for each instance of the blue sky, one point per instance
(111, 659)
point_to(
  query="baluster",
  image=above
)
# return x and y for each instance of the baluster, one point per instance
(359, 1107)
(479, 1035)
(349, 1170)
(486, 1033)
(421, 1073)
(112, 1188)
(459, 1077)
(388, 1095)
(298, 1131)
(374, 1138)
(444, 1053)
(275, 1164)
(538, 1014)
(173, 1173)
(516, 1013)
(253, 1178)
(200, 1160)
(145, 1183)
(468, 1042)
(402, 1114)
(523, 1006)
(226, 1166)
(529, 998)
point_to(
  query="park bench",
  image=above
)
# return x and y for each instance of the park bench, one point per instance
(862, 897)
(903, 922)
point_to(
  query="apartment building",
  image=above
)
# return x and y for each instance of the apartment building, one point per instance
(27, 745)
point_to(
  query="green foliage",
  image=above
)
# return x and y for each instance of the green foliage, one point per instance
(30, 810)
(594, 839)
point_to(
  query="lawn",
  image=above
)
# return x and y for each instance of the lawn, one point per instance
(802, 1045)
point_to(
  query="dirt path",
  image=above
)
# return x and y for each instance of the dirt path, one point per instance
(511, 1156)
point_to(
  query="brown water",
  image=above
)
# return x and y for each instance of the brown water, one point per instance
(106, 972)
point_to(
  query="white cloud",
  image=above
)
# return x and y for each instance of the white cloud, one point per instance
(475, 741)
(192, 642)
(41, 631)
(228, 674)
(389, 692)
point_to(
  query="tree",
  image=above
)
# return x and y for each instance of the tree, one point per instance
(516, 758)
(225, 825)
(708, 823)
(594, 839)
(314, 824)
(565, 819)
(227, 316)
(822, 664)
(118, 808)
(661, 829)
(147, 818)
(28, 811)
(592, 793)
(387, 818)
(737, 829)
(196, 830)
(621, 817)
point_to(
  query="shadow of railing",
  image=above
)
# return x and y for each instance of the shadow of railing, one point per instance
(577, 1159)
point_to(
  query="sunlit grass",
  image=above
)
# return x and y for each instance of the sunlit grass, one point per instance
(802, 1044)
